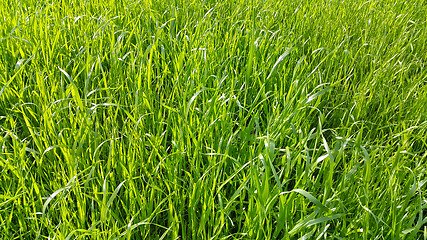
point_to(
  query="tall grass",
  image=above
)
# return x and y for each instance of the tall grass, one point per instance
(213, 119)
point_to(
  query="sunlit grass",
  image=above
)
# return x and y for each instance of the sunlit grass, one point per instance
(213, 120)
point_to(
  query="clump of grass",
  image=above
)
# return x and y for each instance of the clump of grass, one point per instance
(213, 120)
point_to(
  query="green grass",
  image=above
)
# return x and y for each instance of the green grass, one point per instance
(213, 120)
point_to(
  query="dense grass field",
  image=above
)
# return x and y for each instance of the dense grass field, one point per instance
(276, 119)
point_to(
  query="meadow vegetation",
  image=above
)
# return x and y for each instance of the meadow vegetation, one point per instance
(175, 119)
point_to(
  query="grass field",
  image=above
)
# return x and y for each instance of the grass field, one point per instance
(290, 119)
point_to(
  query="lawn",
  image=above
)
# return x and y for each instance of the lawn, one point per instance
(230, 119)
